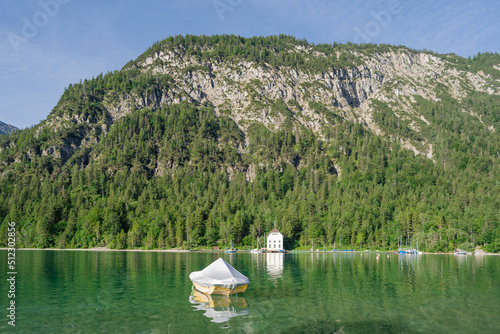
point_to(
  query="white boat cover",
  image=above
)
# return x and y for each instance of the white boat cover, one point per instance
(221, 274)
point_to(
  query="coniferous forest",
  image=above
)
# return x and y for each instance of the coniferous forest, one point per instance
(186, 175)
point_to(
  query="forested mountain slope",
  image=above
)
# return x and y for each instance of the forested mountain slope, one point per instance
(203, 140)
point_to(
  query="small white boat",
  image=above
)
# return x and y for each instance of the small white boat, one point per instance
(257, 250)
(219, 278)
(459, 252)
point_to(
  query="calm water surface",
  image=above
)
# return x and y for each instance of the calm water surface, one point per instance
(146, 292)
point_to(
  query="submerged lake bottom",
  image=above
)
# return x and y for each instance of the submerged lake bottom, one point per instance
(150, 292)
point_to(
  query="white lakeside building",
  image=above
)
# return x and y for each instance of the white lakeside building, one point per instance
(275, 240)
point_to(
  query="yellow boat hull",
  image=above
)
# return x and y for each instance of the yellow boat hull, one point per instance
(219, 290)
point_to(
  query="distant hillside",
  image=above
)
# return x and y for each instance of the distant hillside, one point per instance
(204, 140)
(5, 129)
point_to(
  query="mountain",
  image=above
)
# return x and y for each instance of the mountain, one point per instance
(203, 140)
(5, 129)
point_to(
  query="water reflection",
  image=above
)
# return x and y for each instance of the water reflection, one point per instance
(73, 291)
(409, 262)
(274, 262)
(219, 308)
(461, 259)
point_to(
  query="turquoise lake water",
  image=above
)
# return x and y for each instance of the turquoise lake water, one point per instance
(150, 292)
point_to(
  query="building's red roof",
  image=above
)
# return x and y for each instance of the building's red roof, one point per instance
(272, 231)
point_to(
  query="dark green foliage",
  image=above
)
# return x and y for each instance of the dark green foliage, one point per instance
(160, 180)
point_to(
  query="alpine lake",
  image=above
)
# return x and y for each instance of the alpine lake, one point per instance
(317, 292)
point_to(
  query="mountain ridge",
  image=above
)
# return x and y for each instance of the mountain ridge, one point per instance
(194, 83)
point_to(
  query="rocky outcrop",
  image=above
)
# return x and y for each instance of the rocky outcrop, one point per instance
(248, 90)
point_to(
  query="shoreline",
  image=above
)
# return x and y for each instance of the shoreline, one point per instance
(104, 249)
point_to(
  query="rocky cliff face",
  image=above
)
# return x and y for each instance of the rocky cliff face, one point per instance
(246, 91)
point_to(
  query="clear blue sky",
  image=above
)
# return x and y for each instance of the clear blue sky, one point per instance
(47, 44)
